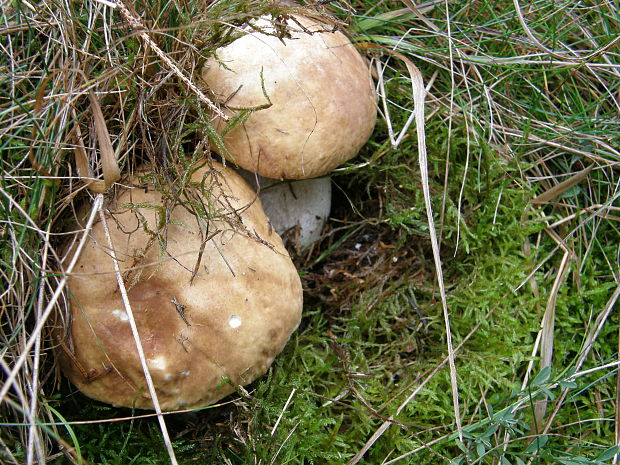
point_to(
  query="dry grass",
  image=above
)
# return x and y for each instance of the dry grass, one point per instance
(86, 93)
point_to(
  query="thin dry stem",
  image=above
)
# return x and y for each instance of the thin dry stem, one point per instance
(547, 331)
(391, 420)
(288, 401)
(42, 322)
(617, 419)
(136, 336)
(34, 434)
(418, 96)
(137, 25)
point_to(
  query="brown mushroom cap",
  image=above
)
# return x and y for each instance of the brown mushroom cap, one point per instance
(239, 311)
(323, 99)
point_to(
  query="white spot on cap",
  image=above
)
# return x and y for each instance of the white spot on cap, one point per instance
(121, 315)
(184, 373)
(158, 363)
(234, 321)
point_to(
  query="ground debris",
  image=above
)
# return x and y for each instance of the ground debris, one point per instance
(369, 258)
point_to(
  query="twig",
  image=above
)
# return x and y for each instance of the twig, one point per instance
(391, 420)
(598, 326)
(590, 338)
(547, 330)
(562, 187)
(288, 401)
(418, 97)
(415, 451)
(137, 25)
(34, 431)
(579, 374)
(617, 425)
(559, 56)
(419, 93)
(273, 459)
(136, 336)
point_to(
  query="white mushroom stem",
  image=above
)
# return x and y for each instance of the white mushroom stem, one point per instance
(297, 209)
(136, 335)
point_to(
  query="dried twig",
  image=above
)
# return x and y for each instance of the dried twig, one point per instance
(137, 25)
(136, 336)
(419, 93)
(391, 420)
(547, 327)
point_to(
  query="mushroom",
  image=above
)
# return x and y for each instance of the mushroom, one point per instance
(298, 209)
(214, 300)
(317, 87)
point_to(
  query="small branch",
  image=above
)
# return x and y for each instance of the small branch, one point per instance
(392, 419)
(137, 25)
(136, 336)
(418, 98)
(288, 401)
(547, 335)
(617, 425)
(35, 444)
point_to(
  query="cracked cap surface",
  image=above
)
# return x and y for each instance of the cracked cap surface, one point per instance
(324, 102)
(230, 322)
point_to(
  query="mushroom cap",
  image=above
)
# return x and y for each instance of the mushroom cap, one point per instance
(240, 308)
(323, 99)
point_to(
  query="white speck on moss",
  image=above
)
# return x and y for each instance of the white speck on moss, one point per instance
(121, 315)
(234, 321)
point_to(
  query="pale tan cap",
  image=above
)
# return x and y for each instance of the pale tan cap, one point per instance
(324, 103)
(231, 320)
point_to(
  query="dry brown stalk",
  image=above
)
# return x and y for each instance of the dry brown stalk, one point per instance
(137, 25)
